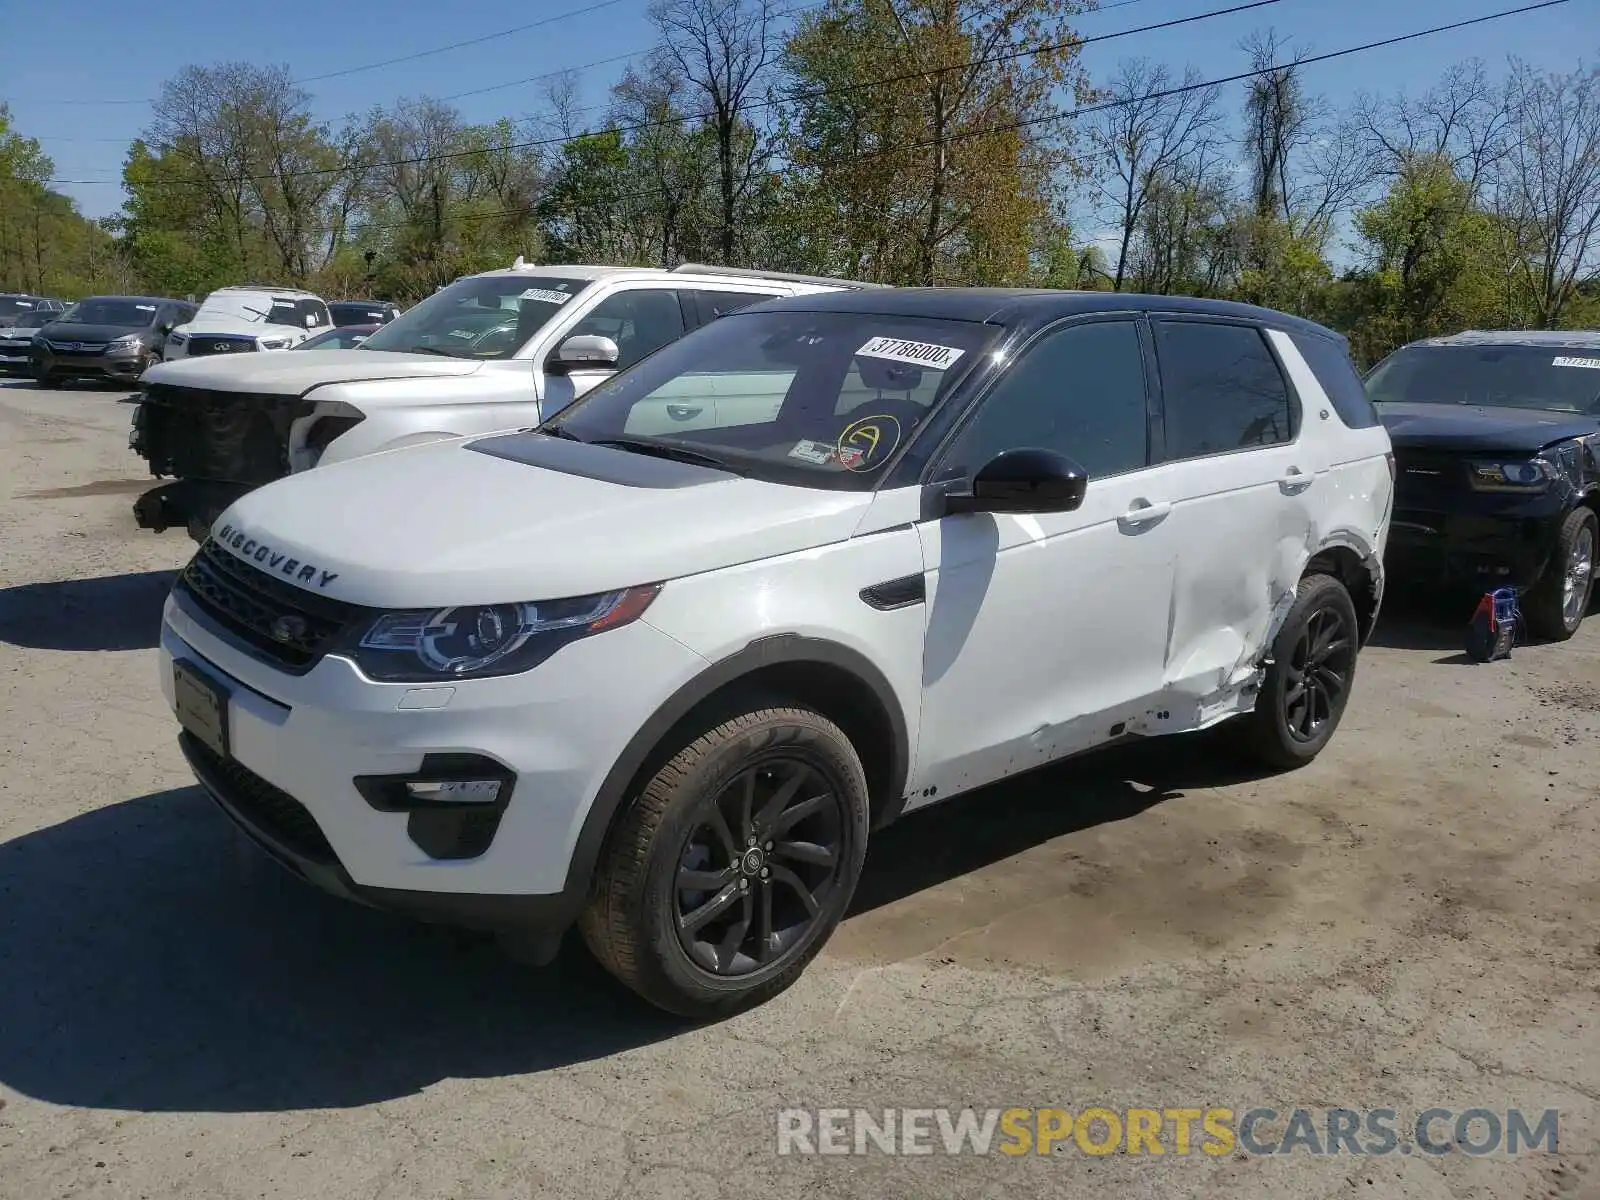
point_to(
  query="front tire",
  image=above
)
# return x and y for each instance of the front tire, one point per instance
(1308, 681)
(1556, 605)
(47, 380)
(733, 866)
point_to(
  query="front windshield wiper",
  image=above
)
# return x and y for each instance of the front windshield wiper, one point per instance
(663, 450)
(439, 350)
(558, 431)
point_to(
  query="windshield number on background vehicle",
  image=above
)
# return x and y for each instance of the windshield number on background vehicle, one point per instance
(545, 295)
(1592, 364)
(922, 354)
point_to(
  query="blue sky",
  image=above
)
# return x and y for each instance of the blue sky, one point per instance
(95, 50)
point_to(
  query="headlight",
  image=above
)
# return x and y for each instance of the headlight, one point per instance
(480, 640)
(1514, 475)
(128, 342)
(275, 343)
(177, 339)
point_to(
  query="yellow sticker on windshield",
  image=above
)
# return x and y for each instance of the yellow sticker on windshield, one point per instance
(868, 441)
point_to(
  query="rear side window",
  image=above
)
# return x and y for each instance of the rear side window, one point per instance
(1222, 389)
(1330, 363)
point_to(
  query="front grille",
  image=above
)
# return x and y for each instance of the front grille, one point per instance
(78, 347)
(271, 809)
(283, 624)
(1427, 480)
(202, 433)
(200, 346)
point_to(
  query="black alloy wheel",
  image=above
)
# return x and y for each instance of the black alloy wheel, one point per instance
(1316, 681)
(757, 868)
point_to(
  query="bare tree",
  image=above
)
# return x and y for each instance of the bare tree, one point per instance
(1280, 118)
(563, 102)
(724, 48)
(668, 155)
(1146, 138)
(1549, 185)
(1462, 119)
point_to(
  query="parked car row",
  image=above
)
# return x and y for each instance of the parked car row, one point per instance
(118, 337)
(803, 557)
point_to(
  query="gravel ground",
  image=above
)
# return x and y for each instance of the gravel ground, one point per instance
(1408, 923)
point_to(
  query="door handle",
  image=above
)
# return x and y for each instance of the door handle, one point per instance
(1295, 481)
(1142, 513)
(684, 412)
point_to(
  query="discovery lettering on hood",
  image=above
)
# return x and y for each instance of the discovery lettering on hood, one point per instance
(273, 560)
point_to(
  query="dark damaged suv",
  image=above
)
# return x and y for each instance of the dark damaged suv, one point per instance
(1497, 455)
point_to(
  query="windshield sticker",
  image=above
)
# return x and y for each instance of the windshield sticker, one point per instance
(867, 442)
(145, 307)
(820, 453)
(1592, 364)
(548, 297)
(923, 354)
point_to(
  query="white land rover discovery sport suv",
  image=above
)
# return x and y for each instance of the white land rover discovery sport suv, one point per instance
(660, 666)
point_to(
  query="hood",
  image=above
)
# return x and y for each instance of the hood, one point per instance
(60, 331)
(26, 330)
(295, 374)
(446, 523)
(1480, 429)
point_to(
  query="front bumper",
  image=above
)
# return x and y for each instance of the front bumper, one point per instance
(122, 365)
(16, 362)
(1493, 540)
(298, 743)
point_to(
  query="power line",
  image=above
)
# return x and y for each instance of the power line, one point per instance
(684, 118)
(1083, 110)
(387, 62)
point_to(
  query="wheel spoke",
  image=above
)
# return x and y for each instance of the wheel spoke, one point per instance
(1333, 649)
(765, 946)
(712, 908)
(791, 817)
(1332, 682)
(692, 880)
(734, 938)
(807, 852)
(782, 874)
(719, 826)
(747, 805)
(787, 790)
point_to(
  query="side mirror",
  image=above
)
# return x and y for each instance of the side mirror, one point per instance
(1023, 481)
(164, 326)
(311, 320)
(584, 351)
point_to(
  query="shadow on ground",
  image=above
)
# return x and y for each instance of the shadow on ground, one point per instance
(113, 612)
(154, 961)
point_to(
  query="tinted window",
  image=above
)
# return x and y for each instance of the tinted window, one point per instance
(1555, 378)
(1079, 391)
(1330, 363)
(639, 322)
(715, 304)
(1222, 389)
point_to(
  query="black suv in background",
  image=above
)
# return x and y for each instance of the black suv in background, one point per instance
(106, 337)
(16, 309)
(1497, 456)
(362, 312)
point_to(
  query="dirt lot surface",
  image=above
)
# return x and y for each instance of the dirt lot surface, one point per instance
(1409, 923)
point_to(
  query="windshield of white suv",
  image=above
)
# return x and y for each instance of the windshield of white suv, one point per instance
(254, 307)
(1551, 378)
(819, 399)
(104, 310)
(481, 316)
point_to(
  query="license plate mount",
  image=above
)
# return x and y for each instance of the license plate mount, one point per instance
(202, 706)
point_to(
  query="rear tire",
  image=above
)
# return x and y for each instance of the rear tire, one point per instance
(1556, 605)
(1308, 680)
(734, 865)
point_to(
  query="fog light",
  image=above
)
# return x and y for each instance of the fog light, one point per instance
(453, 791)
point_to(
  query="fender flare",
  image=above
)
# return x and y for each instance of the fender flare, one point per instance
(763, 652)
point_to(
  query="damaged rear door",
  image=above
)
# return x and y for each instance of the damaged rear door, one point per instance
(1247, 482)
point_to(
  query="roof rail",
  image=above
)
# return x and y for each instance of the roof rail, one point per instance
(751, 273)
